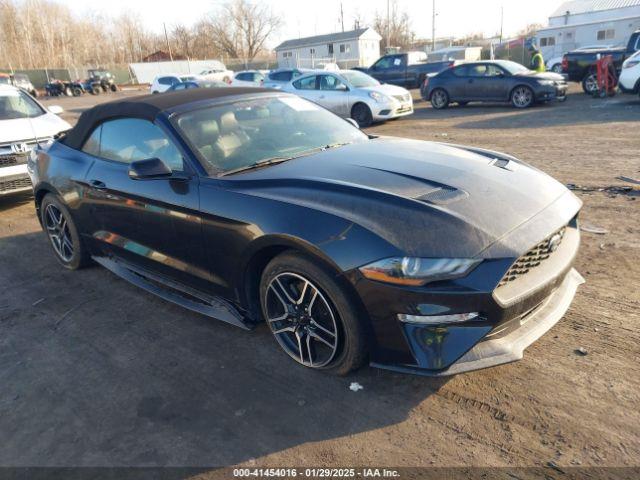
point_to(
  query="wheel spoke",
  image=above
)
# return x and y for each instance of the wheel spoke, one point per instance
(315, 336)
(302, 294)
(320, 327)
(299, 338)
(284, 330)
(309, 350)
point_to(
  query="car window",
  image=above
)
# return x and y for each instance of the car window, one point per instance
(329, 82)
(258, 77)
(241, 133)
(285, 76)
(92, 145)
(168, 80)
(493, 71)
(384, 63)
(248, 77)
(17, 104)
(306, 83)
(477, 70)
(461, 71)
(179, 86)
(127, 140)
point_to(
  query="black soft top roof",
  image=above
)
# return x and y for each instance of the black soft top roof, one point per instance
(146, 107)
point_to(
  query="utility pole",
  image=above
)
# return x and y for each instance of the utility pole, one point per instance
(342, 17)
(166, 38)
(388, 26)
(433, 28)
(501, 22)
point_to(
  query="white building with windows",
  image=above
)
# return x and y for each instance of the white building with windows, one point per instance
(586, 23)
(355, 48)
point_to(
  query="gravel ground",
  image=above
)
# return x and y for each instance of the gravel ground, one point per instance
(95, 372)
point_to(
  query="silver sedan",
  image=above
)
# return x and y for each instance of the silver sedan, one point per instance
(353, 94)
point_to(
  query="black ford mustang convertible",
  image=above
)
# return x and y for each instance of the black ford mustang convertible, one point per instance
(251, 205)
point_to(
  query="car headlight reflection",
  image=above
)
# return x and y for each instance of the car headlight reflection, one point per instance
(412, 271)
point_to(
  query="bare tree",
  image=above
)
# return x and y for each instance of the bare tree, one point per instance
(240, 28)
(401, 33)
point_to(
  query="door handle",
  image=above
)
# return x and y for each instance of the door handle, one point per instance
(97, 184)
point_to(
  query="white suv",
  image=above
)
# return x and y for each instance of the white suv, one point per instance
(24, 123)
(629, 81)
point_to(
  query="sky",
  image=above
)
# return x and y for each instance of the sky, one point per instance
(308, 17)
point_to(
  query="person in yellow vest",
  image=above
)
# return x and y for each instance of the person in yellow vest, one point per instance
(537, 61)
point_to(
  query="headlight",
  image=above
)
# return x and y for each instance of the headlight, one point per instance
(413, 271)
(547, 83)
(629, 64)
(379, 97)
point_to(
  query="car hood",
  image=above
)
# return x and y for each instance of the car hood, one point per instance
(424, 198)
(387, 89)
(21, 129)
(541, 75)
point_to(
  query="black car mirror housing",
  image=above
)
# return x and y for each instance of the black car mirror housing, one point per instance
(149, 169)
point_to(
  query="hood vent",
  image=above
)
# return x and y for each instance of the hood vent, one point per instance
(443, 196)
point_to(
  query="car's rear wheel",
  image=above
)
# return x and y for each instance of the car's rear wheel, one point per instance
(62, 233)
(361, 113)
(590, 84)
(77, 91)
(310, 316)
(439, 99)
(557, 68)
(522, 97)
(68, 92)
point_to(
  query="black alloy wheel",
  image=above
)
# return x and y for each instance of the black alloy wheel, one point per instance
(310, 316)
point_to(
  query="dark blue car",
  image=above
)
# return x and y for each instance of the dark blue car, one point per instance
(493, 81)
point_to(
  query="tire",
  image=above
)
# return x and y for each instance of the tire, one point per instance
(439, 99)
(590, 83)
(62, 233)
(96, 91)
(557, 68)
(34, 93)
(342, 346)
(113, 87)
(68, 92)
(522, 97)
(77, 91)
(361, 113)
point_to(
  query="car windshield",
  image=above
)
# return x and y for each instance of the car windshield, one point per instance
(269, 129)
(5, 80)
(16, 104)
(359, 79)
(513, 67)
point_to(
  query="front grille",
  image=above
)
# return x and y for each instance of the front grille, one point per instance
(8, 160)
(17, 184)
(403, 98)
(532, 259)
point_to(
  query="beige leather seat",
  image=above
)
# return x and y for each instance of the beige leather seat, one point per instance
(232, 137)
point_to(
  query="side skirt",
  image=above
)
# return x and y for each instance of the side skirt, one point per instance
(167, 289)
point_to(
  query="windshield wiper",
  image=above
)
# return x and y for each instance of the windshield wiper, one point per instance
(275, 160)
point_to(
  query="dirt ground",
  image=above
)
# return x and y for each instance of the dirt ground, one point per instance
(95, 372)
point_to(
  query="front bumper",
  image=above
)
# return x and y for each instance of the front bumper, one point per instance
(497, 349)
(14, 179)
(391, 110)
(550, 93)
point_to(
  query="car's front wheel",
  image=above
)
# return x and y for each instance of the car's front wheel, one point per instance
(362, 114)
(62, 233)
(311, 317)
(522, 97)
(557, 68)
(439, 99)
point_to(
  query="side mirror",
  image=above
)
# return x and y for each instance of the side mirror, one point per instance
(149, 169)
(342, 88)
(56, 109)
(353, 122)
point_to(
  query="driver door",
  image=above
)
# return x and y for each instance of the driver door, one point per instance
(334, 95)
(152, 223)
